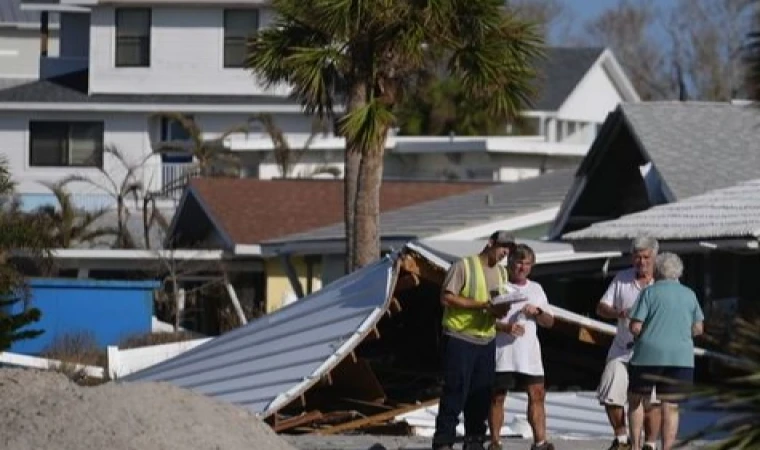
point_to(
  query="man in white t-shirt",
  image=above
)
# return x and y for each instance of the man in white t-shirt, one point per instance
(518, 352)
(616, 303)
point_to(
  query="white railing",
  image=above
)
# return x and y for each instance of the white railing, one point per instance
(174, 177)
(124, 362)
(34, 362)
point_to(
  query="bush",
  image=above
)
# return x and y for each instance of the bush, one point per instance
(73, 349)
(166, 337)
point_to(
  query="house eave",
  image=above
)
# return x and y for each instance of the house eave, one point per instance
(149, 108)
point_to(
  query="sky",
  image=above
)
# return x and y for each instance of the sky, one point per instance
(584, 10)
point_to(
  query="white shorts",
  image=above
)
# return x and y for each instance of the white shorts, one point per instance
(613, 387)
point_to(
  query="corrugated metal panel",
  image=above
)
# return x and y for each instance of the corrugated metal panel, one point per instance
(272, 360)
(569, 415)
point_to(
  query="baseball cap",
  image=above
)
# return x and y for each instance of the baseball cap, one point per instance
(502, 238)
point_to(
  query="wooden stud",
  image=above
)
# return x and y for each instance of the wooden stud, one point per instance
(371, 420)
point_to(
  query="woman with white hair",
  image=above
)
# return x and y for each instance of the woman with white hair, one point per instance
(664, 321)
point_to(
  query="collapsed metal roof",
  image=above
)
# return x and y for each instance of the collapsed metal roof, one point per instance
(354, 355)
(274, 359)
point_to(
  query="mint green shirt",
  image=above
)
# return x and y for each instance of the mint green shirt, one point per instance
(667, 310)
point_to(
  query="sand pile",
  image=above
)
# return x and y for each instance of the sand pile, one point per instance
(45, 411)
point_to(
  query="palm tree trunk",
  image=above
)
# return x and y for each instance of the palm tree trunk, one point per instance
(368, 207)
(120, 241)
(352, 159)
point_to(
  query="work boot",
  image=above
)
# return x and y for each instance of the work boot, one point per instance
(474, 443)
(617, 445)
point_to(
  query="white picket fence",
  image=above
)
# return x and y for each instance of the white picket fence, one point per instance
(124, 362)
(18, 360)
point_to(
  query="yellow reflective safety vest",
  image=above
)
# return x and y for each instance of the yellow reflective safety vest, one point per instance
(476, 323)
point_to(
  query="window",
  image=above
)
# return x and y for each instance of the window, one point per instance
(239, 24)
(61, 144)
(173, 131)
(132, 37)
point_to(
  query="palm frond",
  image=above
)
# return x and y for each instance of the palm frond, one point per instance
(367, 125)
(736, 398)
(297, 53)
(6, 181)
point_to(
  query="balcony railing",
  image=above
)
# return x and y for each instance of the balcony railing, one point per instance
(174, 178)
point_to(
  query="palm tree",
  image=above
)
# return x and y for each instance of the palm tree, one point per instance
(69, 225)
(121, 186)
(735, 398)
(211, 156)
(439, 107)
(18, 232)
(360, 53)
(285, 156)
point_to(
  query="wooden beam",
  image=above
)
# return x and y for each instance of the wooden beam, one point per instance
(396, 305)
(292, 422)
(44, 33)
(407, 281)
(366, 403)
(372, 420)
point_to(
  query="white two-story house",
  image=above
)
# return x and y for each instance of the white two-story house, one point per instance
(20, 42)
(122, 61)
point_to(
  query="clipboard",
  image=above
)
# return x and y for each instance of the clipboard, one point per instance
(509, 299)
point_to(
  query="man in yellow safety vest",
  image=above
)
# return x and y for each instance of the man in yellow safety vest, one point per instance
(469, 330)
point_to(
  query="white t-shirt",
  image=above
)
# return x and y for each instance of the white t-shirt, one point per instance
(622, 294)
(522, 354)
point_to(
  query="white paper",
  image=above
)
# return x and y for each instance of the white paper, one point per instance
(510, 297)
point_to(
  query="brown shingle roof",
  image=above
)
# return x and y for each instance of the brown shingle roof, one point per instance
(251, 211)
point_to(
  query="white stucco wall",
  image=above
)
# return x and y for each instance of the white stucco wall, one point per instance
(476, 165)
(126, 131)
(133, 133)
(186, 55)
(593, 98)
(20, 51)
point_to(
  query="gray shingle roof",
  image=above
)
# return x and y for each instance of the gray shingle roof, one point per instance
(560, 72)
(732, 212)
(134, 227)
(698, 146)
(453, 213)
(11, 13)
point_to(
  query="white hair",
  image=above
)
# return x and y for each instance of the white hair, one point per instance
(668, 266)
(645, 243)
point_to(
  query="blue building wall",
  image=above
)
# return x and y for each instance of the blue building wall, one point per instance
(110, 310)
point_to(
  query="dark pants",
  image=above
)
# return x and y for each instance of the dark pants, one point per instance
(468, 374)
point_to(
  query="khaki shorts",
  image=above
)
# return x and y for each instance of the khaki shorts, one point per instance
(613, 387)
